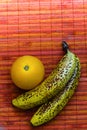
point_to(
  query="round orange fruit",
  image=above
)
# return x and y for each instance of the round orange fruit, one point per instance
(27, 72)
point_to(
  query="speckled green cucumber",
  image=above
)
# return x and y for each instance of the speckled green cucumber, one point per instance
(50, 109)
(53, 84)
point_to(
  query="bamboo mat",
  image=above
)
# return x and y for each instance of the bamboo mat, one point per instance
(37, 27)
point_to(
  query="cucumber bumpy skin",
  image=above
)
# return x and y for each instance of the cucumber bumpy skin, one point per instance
(50, 109)
(53, 84)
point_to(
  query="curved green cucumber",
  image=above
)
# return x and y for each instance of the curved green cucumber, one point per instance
(50, 109)
(53, 84)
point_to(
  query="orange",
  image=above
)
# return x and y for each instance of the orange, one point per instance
(27, 72)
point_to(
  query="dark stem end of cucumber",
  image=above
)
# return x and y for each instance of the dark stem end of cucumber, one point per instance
(65, 46)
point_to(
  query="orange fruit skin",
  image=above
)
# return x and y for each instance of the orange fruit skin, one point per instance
(27, 72)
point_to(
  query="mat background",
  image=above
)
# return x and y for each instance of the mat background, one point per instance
(37, 27)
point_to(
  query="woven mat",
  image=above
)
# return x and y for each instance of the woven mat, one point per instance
(37, 27)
